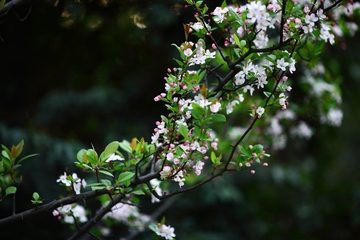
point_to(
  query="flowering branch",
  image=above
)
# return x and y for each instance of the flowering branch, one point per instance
(246, 71)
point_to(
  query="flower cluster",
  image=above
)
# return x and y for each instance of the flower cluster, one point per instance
(165, 231)
(183, 137)
(72, 182)
(129, 215)
(70, 212)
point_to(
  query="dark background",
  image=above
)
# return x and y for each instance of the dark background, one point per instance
(82, 73)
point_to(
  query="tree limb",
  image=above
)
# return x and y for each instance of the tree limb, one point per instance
(52, 205)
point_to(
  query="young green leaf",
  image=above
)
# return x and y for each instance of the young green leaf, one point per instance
(237, 40)
(92, 156)
(10, 190)
(18, 149)
(35, 196)
(27, 157)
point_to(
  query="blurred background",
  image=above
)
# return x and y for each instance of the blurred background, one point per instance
(76, 73)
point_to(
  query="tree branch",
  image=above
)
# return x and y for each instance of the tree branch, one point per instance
(52, 205)
(99, 215)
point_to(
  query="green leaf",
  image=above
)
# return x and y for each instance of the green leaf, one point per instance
(289, 7)
(183, 130)
(258, 148)
(131, 162)
(267, 94)
(318, 48)
(92, 156)
(10, 190)
(2, 3)
(80, 155)
(6, 160)
(271, 101)
(125, 176)
(213, 157)
(179, 151)
(163, 219)
(245, 151)
(180, 63)
(201, 75)
(218, 118)
(198, 3)
(125, 145)
(2, 168)
(138, 192)
(310, 46)
(110, 149)
(106, 173)
(36, 201)
(153, 227)
(19, 148)
(6, 154)
(245, 49)
(106, 182)
(242, 43)
(96, 186)
(83, 165)
(235, 16)
(27, 157)
(127, 183)
(271, 58)
(35, 196)
(197, 112)
(237, 40)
